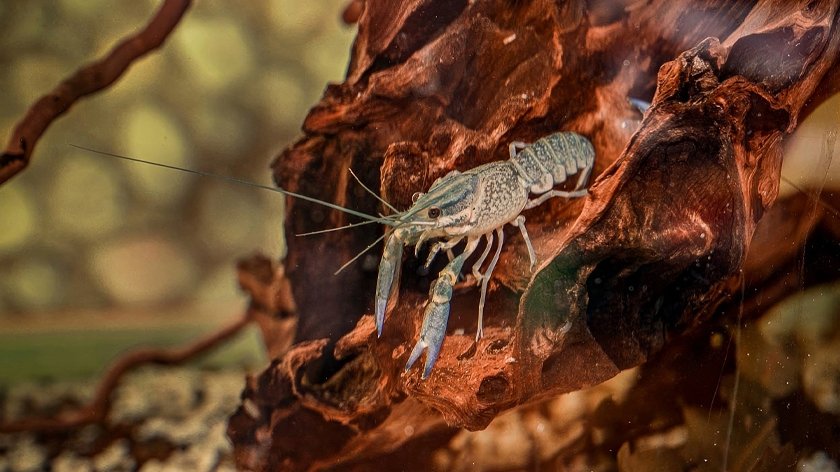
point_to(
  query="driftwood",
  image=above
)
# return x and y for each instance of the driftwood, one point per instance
(648, 256)
(679, 237)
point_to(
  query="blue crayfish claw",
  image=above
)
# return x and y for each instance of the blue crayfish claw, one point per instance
(388, 267)
(437, 314)
(431, 336)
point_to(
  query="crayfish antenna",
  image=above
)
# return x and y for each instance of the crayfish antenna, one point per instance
(330, 230)
(819, 199)
(384, 221)
(384, 202)
(370, 246)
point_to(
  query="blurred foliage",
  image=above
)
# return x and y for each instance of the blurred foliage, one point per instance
(98, 255)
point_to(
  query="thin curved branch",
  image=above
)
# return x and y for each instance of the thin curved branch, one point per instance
(271, 307)
(98, 409)
(85, 81)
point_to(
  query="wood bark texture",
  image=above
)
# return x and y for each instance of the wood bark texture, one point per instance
(647, 257)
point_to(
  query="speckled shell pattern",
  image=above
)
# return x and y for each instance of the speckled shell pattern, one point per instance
(478, 201)
(536, 169)
(501, 197)
(559, 155)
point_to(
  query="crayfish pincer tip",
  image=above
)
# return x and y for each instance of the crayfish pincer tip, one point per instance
(432, 352)
(379, 316)
(416, 353)
(427, 370)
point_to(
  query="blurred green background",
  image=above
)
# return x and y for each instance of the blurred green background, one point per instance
(98, 255)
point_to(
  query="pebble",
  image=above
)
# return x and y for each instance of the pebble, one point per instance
(505, 445)
(27, 455)
(821, 378)
(69, 462)
(116, 457)
(819, 461)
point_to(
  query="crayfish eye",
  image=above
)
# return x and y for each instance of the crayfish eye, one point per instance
(416, 196)
(434, 212)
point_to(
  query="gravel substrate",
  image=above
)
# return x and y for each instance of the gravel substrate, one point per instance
(162, 419)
